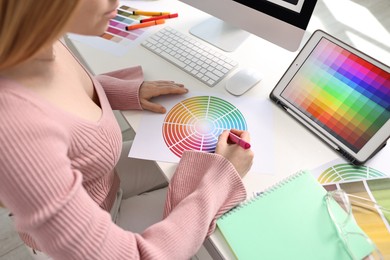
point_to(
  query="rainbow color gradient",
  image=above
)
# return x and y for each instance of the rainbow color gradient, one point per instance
(342, 93)
(195, 123)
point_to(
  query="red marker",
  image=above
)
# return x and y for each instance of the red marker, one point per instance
(168, 16)
(237, 140)
(142, 25)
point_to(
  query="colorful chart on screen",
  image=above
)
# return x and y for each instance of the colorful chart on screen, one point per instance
(195, 123)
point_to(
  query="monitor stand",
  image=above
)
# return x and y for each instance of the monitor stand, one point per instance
(220, 34)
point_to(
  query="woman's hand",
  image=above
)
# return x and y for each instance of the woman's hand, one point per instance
(151, 89)
(240, 158)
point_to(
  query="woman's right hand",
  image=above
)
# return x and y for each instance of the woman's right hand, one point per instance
(240, 158)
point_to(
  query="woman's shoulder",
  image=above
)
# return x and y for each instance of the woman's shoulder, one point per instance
(14, 99)
(20, 111)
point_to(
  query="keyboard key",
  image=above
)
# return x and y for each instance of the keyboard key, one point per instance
(191, 55)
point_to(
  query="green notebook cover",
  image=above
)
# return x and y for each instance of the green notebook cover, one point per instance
(290, 220)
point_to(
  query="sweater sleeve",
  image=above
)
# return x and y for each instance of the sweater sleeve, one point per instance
(122, 87)
(207, 178)
(45, 194)
(203, 187)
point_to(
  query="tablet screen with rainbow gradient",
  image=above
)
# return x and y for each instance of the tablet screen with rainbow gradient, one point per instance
(343, 93)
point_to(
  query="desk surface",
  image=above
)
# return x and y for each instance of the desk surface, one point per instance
(365, 26)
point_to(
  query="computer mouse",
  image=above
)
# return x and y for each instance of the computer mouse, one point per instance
(241, 81)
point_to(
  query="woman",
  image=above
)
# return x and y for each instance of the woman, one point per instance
(60, 143)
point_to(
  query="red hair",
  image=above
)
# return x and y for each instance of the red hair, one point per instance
(28, 25)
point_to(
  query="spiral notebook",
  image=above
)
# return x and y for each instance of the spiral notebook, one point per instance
(290, 220)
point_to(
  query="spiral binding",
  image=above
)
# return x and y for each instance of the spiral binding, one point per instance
(264, 193)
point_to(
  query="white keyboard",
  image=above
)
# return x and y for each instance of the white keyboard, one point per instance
(190, 55)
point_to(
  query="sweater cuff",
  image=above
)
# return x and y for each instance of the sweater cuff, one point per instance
(122, 87)
(211, 174)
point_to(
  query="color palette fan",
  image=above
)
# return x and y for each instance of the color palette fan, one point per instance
(371, 184)
(195, 123)
(116, 31)
(348, 172)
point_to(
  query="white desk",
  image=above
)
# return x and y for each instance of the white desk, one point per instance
(363, 24)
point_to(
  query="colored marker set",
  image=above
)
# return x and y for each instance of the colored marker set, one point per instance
(116, 31)
(155, 19)
(122, 28)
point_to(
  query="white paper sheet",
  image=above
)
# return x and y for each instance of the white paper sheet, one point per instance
(149, 141)
(116, 40)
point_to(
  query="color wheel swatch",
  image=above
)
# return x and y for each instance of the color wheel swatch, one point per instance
(195, 123)
(348, 172)
(343, 93)
(370, 184)
(116, 31)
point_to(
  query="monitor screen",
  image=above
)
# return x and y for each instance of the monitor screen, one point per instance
(282, 22)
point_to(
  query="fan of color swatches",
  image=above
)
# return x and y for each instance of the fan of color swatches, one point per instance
(196, 123)
(371, 185)
(116, 31)
(343, 93)
(348, 172)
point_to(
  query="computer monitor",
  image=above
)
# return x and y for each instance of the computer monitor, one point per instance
(282, 22)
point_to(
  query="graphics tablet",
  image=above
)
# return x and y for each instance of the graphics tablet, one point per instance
(340, 94)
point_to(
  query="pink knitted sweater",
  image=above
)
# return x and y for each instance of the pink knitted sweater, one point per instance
(57, 178)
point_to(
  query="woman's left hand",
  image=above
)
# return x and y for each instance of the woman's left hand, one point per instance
(151, 89)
